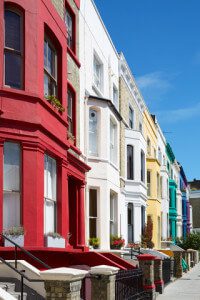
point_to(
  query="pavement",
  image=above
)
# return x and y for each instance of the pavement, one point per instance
(185, 288)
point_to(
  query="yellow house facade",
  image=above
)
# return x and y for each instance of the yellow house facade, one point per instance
(153, 177)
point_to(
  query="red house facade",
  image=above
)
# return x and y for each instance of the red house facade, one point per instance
(42, 178)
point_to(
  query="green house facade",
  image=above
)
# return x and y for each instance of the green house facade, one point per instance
(172, 194)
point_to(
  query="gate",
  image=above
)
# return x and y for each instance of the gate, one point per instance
(129, 285)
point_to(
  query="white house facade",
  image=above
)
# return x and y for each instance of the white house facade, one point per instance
(164, 184)
(133, 156)
(100, 125)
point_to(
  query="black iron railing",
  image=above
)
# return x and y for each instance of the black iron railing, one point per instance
(22, 272)
(166, 270)
(129, 285)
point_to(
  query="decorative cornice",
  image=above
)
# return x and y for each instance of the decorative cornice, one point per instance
(128, 77)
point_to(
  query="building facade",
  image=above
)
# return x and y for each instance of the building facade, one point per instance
(164, 183)
(42, 178)
(100, 130)
(132, 155)
(153, 177)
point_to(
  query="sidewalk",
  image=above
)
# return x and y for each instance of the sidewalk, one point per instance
(185, 288)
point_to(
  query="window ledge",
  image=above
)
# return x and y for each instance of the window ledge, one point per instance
(73, 56)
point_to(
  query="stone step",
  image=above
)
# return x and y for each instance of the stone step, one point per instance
(8, 286)
(17, 295)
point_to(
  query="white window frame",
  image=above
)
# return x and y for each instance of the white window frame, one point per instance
(96, 153)
(115, 96)
(52, 77)
(97, 78)
(149, 183)
(93, 217)
(16, 191)
(113, 213)
(113, 142)
(131, 120)
(52, 200)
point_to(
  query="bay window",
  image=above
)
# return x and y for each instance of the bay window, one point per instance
(11, 185)
(50, 194)
(50, 68)
(13, 48)
(93, 132)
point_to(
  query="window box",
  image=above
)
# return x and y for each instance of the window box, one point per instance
(18, 239)
(15, 234)
(54, 242)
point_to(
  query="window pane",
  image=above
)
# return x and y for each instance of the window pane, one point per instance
(69, 104)
(13, 70)
(49, 216)
(50, 178)
(93, 134)
(130, 162)
(93, 203)
(11, 178)
(93, 227)
(45, 54)
(11, 210)
(12, 30)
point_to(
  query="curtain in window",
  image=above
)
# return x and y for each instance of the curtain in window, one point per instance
(93, 132)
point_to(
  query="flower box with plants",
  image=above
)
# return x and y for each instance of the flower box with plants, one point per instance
(54, 240)
(15, 234)
(116, 242)
(55, 102)
(94, 242)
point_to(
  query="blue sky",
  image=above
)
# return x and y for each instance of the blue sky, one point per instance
(161, 42)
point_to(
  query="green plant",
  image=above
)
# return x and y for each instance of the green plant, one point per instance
(148, 234)
(54, 235)
(55, 102)
(14, 231)
(116, 242)
(95, 242)
(192, 241)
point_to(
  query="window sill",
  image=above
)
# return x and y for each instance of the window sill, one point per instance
(73, 56)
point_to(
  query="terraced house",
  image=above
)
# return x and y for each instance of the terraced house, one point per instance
(42, 178)
(153, 176)
(132, 155)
